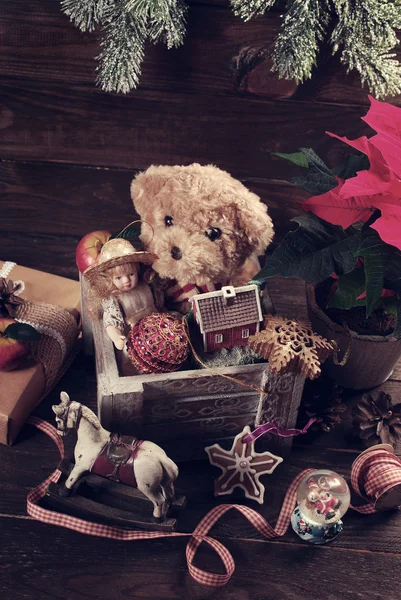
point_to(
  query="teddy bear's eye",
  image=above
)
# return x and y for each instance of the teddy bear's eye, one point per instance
(213, 233)
(168, 221)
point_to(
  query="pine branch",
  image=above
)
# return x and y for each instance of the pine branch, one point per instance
(381, 72)
(85, 14)
(297, 44)
(122, 50)
(246, 9)
(366, 34)
(165, 19)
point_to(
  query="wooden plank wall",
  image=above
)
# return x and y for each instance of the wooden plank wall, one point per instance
(68, 150)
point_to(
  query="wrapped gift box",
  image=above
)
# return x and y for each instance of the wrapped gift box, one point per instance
(21, 390)
(45, 287)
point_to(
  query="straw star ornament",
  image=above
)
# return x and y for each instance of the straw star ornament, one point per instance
(291, 346)
(242, 467)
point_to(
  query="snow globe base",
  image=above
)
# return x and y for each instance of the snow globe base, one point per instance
(315, 533)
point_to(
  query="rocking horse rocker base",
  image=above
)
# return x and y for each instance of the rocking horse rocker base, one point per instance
(103, 500)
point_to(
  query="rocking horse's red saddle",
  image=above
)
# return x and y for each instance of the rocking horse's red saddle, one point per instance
(116, 459)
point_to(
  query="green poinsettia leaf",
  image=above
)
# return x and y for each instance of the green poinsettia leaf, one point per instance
(319, 178)
(349, 287)
(351, 165)
(297, 158)
(393, 267)
(315, 160)
(376, 255)
(22, 332)
(130, 233)
(382, 264)
(313, 251)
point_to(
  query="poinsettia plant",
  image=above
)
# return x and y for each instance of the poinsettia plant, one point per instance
(351, 229)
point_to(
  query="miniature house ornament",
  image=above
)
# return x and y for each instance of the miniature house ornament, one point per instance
(228, 317)
(323, 497)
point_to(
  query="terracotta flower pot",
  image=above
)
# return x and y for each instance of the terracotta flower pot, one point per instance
(372, 358)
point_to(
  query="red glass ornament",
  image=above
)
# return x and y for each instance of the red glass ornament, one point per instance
(158, 343)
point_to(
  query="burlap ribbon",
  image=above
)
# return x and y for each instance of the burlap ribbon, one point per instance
(59, 333)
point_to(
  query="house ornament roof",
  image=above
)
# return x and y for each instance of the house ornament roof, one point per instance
(227, 308)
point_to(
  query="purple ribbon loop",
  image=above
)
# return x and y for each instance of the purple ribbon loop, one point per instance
(272, 428)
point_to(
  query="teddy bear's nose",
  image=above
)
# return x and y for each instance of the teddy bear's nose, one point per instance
(176, 253)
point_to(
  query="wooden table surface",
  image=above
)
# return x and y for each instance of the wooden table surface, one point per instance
(40, 562)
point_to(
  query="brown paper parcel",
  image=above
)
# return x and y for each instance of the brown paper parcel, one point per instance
(54, 313)
(45, 287)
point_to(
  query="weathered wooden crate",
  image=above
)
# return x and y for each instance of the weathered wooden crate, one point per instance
(190, 409)
(187, 410)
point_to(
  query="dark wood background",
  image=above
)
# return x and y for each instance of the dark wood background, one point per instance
(67, 154)
(68, 150)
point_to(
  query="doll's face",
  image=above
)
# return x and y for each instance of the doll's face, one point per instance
(125, 282)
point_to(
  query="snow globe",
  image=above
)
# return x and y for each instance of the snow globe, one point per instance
(323, 497)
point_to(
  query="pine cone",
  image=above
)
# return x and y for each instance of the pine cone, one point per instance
(9, 301)
(322, 400)
(377, 420)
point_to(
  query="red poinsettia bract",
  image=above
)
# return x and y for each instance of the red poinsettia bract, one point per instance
(378, 188)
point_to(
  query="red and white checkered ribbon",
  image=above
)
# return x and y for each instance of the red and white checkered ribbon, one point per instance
(196, 538)
(372, 474)
(375, 472)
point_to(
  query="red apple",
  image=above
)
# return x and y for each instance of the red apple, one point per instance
(89, 248)
(11, 351)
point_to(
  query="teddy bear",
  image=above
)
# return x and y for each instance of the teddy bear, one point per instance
(205, 227)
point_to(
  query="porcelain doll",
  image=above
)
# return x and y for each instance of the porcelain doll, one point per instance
(117, 291)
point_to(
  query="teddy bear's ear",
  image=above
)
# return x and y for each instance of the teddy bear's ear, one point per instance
(146, 186)
(255, 222)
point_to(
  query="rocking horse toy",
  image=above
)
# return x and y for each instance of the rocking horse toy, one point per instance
(104, 462)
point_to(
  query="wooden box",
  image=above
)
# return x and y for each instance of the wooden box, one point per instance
(190, 409)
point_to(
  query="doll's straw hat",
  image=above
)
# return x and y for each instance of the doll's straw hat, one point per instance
(118, 252)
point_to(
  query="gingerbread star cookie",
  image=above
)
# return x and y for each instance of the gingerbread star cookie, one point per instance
(241, 467)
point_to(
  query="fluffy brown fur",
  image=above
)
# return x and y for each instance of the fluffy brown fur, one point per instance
(197, 198)
(102, 287)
